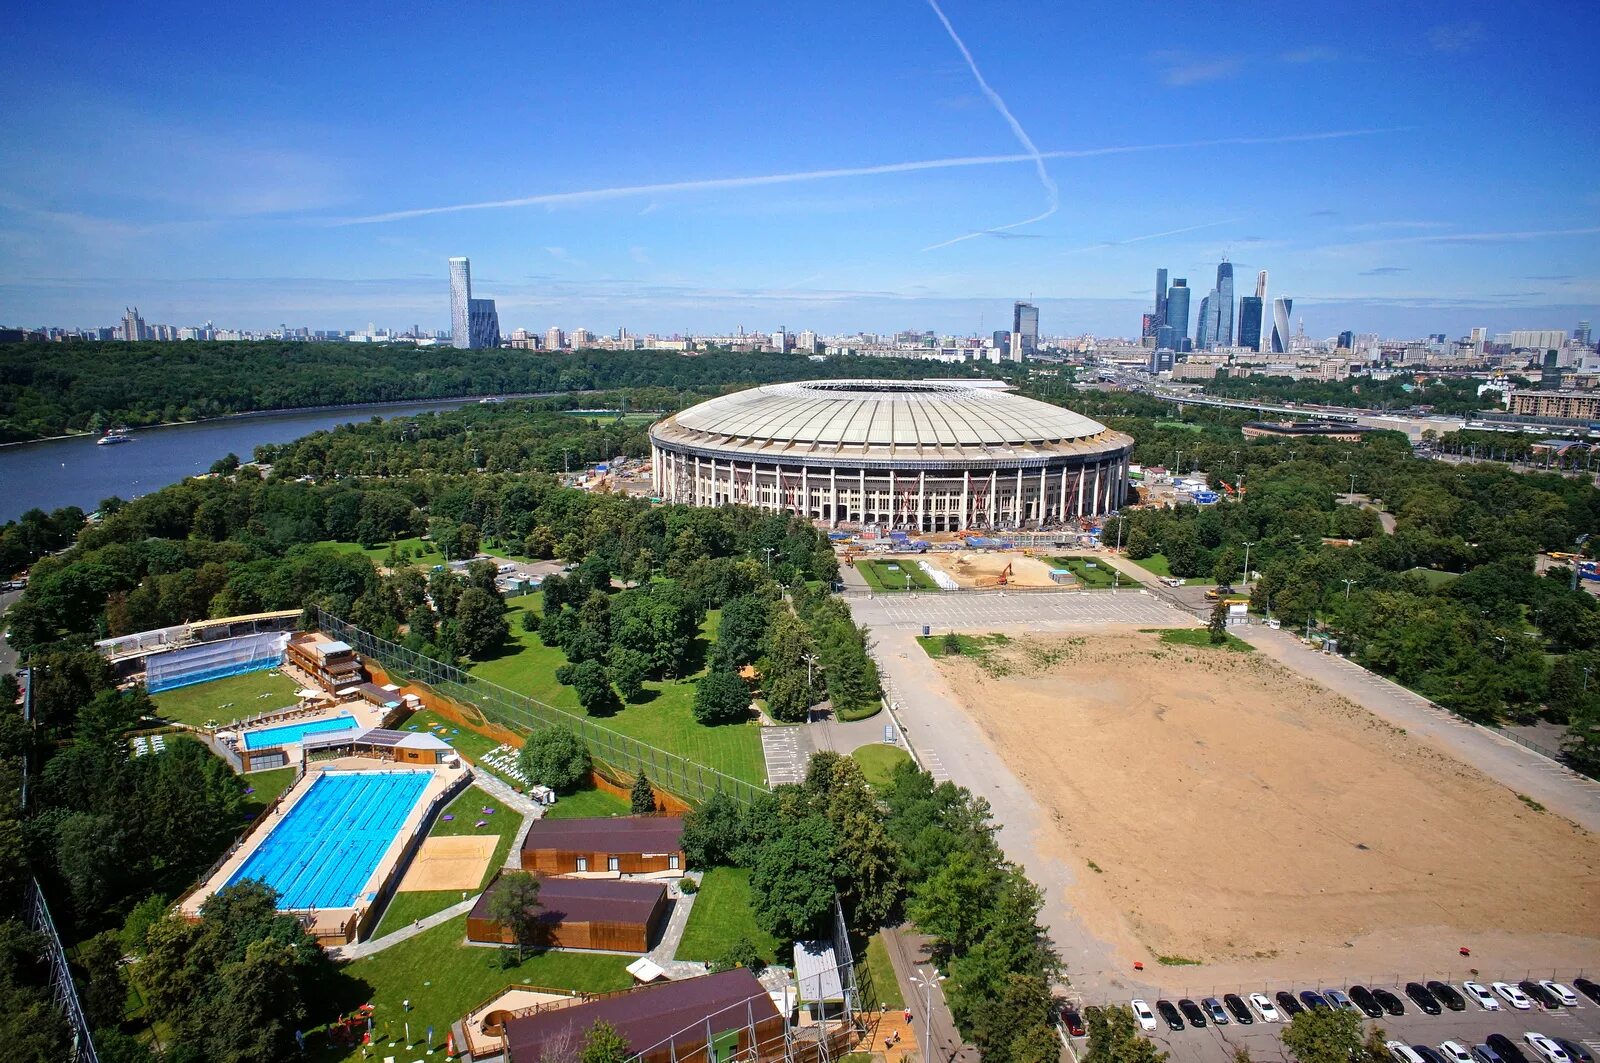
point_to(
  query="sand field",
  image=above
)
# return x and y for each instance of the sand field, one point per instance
(1245, 818)
(449, 862)
(972, 569)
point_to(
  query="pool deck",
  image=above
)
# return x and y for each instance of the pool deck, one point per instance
(331, 922)
(366, 715)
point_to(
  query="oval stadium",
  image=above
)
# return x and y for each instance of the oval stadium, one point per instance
(919, 455)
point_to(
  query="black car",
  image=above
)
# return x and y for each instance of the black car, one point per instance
(1388, 1002)
(1192, 1012)
(1291, 1007)
(1072, 1021)
(1362, 997)
(1576, 1052)
(1422, 998)
(1587, 988)
(1169, 1014)
(1505, 1048)
(1429, 1054)
(1314, 1000)
(1540, 995)
(1446, 994)
(1238, 1009)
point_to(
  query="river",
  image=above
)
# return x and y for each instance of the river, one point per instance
(76, 472)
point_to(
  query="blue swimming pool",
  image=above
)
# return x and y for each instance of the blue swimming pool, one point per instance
(288, 733)
(325, 849)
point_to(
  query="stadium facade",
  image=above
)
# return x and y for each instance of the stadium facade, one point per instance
(917, 455)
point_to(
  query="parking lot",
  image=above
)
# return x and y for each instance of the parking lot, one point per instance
(787, 750)
(993, 610)
(1470, 1027)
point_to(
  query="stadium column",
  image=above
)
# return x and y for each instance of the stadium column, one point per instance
(697, 496)
(1044, 497)
(966, 485)
(1080, 490)
(1063, 495)
(755, 492)
(733, 482)
(922, 496)
(894, 502)
(861, 499)
(1096, 495)
(805, 492)
(833, 497)
(1016, 506)
(655, 469)
(994, 489)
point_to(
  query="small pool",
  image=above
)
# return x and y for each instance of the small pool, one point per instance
(289, 733)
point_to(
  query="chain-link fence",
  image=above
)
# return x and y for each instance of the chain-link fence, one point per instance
(670, 772)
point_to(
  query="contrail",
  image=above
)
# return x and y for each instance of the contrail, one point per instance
(1151, 236)
(597, 195)
(1052, 195)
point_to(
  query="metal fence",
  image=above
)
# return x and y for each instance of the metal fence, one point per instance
(677, 775)
(64, 993)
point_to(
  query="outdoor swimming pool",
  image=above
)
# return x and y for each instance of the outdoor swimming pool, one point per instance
(326, 848)
(288, 733)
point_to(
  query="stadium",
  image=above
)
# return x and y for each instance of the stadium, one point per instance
(924, 456)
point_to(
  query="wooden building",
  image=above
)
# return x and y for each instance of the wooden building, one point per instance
(331, 663)
(582, 913)
(695, 1020)
(616, 845)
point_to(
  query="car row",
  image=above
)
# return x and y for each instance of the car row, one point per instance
(1497, 1048)
(1430, 998)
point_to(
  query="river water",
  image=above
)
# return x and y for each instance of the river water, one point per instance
(76, 472)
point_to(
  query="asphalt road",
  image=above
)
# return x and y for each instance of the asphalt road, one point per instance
(908, 955)
(8, 656)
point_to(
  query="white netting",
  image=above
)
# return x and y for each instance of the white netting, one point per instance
(214, 660)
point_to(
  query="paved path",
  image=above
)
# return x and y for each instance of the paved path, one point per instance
(501, 791)
(372, 945)
(1523, 771)
(665, 954)
(1032, 611)
(844, 736)
(787, 751)
(908, 955)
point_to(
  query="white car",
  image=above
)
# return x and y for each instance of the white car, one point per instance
(1513, 996)
(1481, 996)
(1561, 993)
(1403, 1053)
(1547, 1048)
(1456, 1052)
(1265, 1007)
(1142, 1012)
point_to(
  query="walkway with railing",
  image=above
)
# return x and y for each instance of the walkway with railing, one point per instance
(668, 771)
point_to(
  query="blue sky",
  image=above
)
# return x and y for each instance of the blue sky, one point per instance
(1397, 167)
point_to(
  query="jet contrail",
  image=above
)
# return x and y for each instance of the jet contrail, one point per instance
(597, 195)
(1052, 195)
(1150, 236)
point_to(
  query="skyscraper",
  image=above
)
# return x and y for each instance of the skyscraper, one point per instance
(1178, 308)
(1582, 334)
(1250, 322)
(1222, 335)
(1203, 335)
(1161, 297)
(1167, 336)
(133, 327)
(552, 339)
(1280, 324)
(1261, 325)
(483, 324)
(1347, 340)
(1025, 324)
(460, 300)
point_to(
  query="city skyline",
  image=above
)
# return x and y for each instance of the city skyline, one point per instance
(933, 183)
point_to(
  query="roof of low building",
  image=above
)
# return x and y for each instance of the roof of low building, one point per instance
(587, 900)
(607, 834)
(816, 969)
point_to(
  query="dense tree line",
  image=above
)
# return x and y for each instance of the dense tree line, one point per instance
(37, 533)
(49, 389)
(1458, 395)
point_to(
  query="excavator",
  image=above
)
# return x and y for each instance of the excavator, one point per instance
(1004, 577)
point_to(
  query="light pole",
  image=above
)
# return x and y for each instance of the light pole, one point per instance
(1247, 547)
(1116, 573)
(768, 551)
(1347, 583)
(927, 982)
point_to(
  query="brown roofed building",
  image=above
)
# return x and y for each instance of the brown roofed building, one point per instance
(665, 1022)
(619, 845)
(331, 663)
(582, 913)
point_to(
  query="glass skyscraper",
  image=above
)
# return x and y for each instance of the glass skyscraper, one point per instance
(1280, 324)
(1161, 298)
(483, 327)
(1025, 323)
(1222, 335)
(1250, 322)
(1178, 308)
(460, 298)
(1205, 322)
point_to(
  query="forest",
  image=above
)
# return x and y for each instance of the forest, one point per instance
(1399, 392)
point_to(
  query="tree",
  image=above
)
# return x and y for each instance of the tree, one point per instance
(514, 905)
(713, 833)
(480, 622)
(555, 757)
(1226, 567)
(952, 904)
(741, 953)
(642, 801)
(104, 993)
(789, 697)
(742, 630)
(603, 1044)
(628, 669)
(951, 644)
(592, 685)
(1331, 1035)
(720, 696)
(1218, 626)
(1114, 1038)
(792, 880)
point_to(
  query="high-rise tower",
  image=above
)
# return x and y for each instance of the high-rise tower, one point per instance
(1178, 308)
(461, 303)
(1205, 324)
(1025, 327)
(1280, 324)
(1250, 322)
(1161, 298)
(1265, 340)
(1222, 306)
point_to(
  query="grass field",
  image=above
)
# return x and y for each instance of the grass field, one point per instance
(1435, 578)
(885, 987)
(631, 418)
(1198, 636)
(1157, 563)
(879, 761)
(267, 786)
(664, 717)
(443, 978)
(225, 700)
(971, 645)
(1094, 575)
(406, 908)
(422, 551)
(587, 803)
(721, 916)
(904, 575)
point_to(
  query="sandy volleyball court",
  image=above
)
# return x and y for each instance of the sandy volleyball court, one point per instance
(1218, 808)
(449, 862)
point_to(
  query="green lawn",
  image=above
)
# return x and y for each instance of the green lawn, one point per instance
(631, 418)
(588, 803)
(878, 762)
(885, 987)
(1092, 573)
(1198, 636)
(903, 575)
(406, 908)
(971, 645)
(721, 916)
(1157, 563)
(1434, 577)
(422, 551)
(664, 717)
(443, 978)
(267, 786)
(226, 700)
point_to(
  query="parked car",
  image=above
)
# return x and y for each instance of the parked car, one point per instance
(1072, 1021)
(1446, 994)
(1339, 1000)
(1512, 995)
(1402, 1052)
(1481, 996)
(1505, 1048)
(1214, 1011)
(1265, 1008)
(1236, 1008)
(1429, 1053)
(1363, 999)
(1192, 1012)
(1141, 1011)
(1547, 1049)
(1587, 988)
(1485, 1054)
(1540, 995)
(1291, 1007)
(1422, 998)
(1314, 1000)
(1388, 1002)
(1456, 1052)
(1568, 998)
(1169, 1014)
(1578, 1053)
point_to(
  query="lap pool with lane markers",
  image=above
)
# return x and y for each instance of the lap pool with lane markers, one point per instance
(289, 733)
(326, 848)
